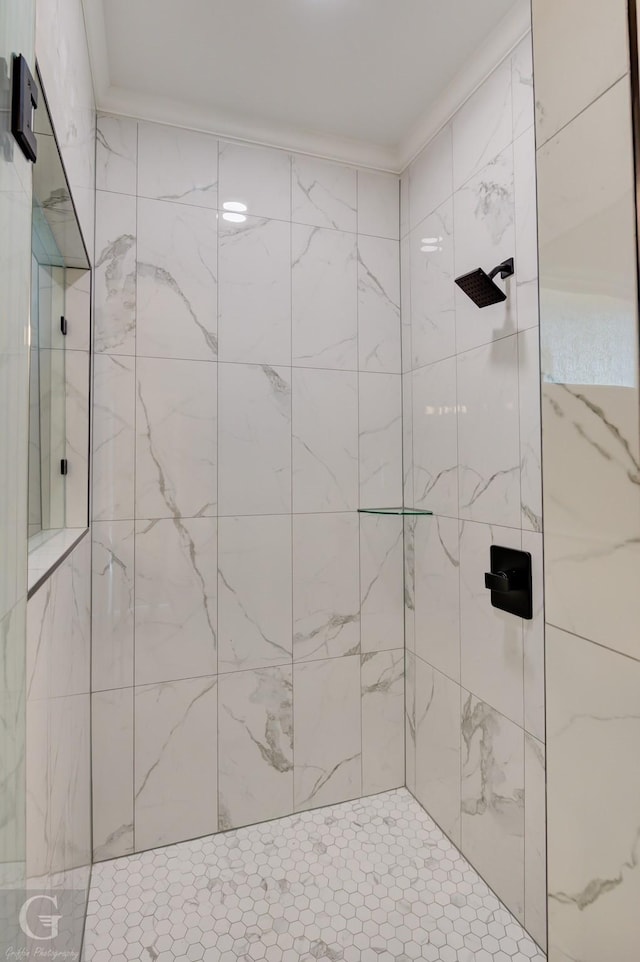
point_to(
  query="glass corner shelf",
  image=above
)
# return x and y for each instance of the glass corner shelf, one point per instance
(411, 512)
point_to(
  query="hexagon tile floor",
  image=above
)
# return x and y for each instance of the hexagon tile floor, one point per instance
(373, 880)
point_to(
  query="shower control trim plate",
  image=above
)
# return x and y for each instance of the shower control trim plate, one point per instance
(510, 582)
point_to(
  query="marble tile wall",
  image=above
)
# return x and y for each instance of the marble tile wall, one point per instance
(247, 624)
(471, 446)
(591, 448)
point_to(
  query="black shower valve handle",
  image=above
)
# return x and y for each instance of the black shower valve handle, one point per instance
(503, 581)
(506, 269)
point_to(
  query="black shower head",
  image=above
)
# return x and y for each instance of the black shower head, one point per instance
(480, 286)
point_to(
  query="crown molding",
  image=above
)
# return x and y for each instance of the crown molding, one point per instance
(132, 103)
(500, 44)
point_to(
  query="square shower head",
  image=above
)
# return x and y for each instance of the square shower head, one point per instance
(480, 288)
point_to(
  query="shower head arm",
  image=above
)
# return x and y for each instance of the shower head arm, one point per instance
(506, 269)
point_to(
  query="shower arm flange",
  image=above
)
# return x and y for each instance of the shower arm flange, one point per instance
(506, 269)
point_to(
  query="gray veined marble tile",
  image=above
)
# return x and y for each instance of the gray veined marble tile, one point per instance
(77, 366)
(484, 228)
(488, 434)
(114, 406)
(326, 602)
(115, 273)
(254, 439)
(437, 593)
(381, 583)
(116, 154)
(406, 349)
(323, 194)
(432, 308)
(258, 177)
(409, 524)
(177, 165)
(378, 204)
(491, 641)
(380, 432)
(112, 772)
(435, 438)
(325, 440)
(379, 332)
(382, 679)
(327, 732)
(255, 291)
(112, 605)
(407, 439)
(410, 720)
(176, 281)
(254, 592)
(530, 435)
(533, 642)
(175, 598)
(255, 744)
(526, 214)
(176, 780)
(493, 799)
(535, 841)
(430, 178)
(522, 86)
(437, 747)
(176, 463)
(593, 772)
(324, 298)
(483, 127)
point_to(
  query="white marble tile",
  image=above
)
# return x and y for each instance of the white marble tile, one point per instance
(488, 434)
(115, 273)
(526, 215)
(593, 778)
(533, 640)
(535, 841)
(255, 744)
(176, 465)
(410, 721)
(407, 438)
(254, 592)
(255, 291)
(483, 127)
(326, 601)
(77, 367)
(431, 177)
(116, 154)
(570, 77)
(437, 593)
(175, 599)
(258, 177)
(493, 799)
(380, 423)
(175, 761)
(112, 605)
(410, 523)
(112, 772)
(114, 406)
(522, 86)
(254, 439)
(176, 277)
(484, 227)
(323, 194)
(378, 204)
(327, 732)
(382, 679)
(530, 439)
(324, 291)
(435, 438)
(432, 309)
(589, 348)
(381, 582)
(405, 304)
(437, 734)
(490, 639)
(379, 335)
(59, 629)
(177, 165)
(404, 203)
(325, 440)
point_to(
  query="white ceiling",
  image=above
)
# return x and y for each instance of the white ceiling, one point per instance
(353, 79)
